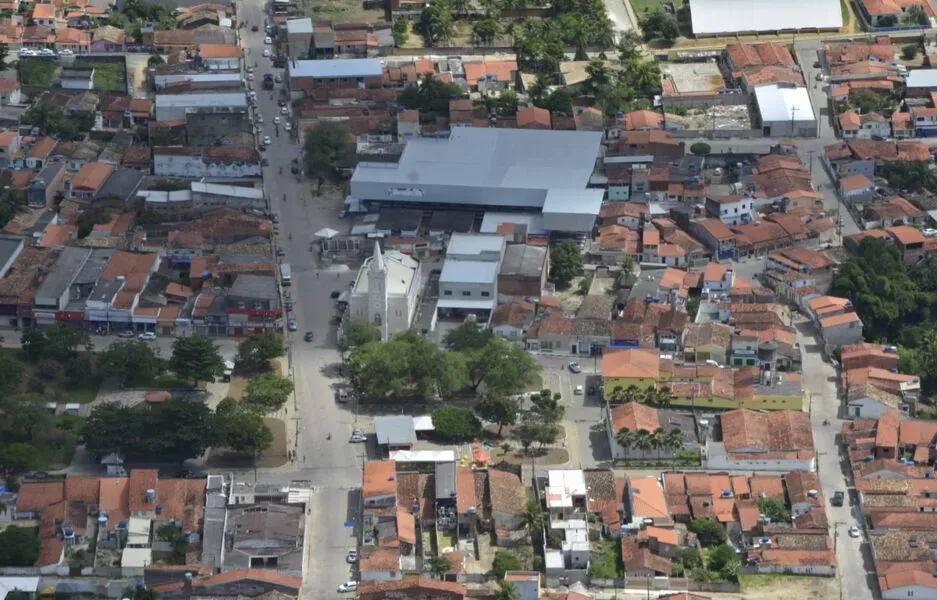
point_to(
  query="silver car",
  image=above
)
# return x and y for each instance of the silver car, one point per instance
(292, 325)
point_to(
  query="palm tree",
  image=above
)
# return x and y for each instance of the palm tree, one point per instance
(625, 438)
(506, 591)
(658, 440)
(674, 440)
(539, 88)
(622, 395)
(532, 518)
(643, 441)
(598, 78)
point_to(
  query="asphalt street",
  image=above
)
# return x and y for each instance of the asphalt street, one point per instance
(333, 466)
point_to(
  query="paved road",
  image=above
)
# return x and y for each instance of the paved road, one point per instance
(853, 556)
(333, 466)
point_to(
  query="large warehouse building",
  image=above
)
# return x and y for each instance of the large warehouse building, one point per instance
(785, 111)
(504, 169)
(726, 17)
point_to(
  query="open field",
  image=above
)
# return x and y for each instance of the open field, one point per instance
(340, 11)
(777, 587)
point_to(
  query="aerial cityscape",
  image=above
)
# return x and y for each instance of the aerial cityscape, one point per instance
(468, 299)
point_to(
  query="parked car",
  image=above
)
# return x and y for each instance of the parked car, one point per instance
(352, 557)
(292, 325)
(288, 306)
(335, 294)
(276, 120)
(277, 79)
(125, 334)
(266, 140)
(281, 252)
(287, 126)
(578, 390)
(348, 586)
(838, 498)
(284, 110)
(266, 52)
(357, 436)
(574, 367)
(268, 40)
(854, 531)
(147, 336)
(308, 336)
(254, 28)
(281, 101)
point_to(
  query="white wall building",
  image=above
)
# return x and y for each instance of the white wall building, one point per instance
(468, 283)
(720, 17)
(785, 111)
(385, 291)
(221, 161)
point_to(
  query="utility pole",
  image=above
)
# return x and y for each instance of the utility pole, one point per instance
(794, 110)
(811, 153)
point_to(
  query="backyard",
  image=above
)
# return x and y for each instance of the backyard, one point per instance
(108, 76)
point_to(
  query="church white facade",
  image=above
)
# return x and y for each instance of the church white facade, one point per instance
(386, 291)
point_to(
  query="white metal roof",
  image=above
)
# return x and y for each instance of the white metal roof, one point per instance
(423, 455)
(299, 25)
(465, 303)
(711, 17)
(234, 191)
(532, 221)
(776, 104)
(22, 584)
(194, 100)
(346, 67)
(921, 78)
(469, 271)
(474, 244)
(580, 202)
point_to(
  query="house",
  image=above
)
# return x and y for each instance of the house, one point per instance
(40, 152)
(623, 368)
(46, 186)
(523, 271)
(508, 498)
(412, 588)
(892, 13)
(731, 209)
(867, 125)
(720, 240)
(533, 117)
(44, 15)
(837, 320)
(897, 211)
(636, 417)
(75, 40)
(856, 186)
(352, 72)
(107, 38)
(763, 441)
(511, 320)
(864, 355)
(385, 291)
(565, 495)
(195, 163)
(219, 57)
(785, 110)
(910, 241)
(88, 181)
(703, 342)
(867, 401)
(468, 283)
(908, 582)
(299, 36)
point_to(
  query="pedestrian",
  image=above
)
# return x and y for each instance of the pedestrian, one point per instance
(317, 274)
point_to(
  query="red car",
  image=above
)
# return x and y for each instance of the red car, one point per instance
(253, 28)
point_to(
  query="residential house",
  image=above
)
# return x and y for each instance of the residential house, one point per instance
(866, 125)
(720, 240)
(508, 498)
(855, 187)
(910, 241)
(636, 417)
(75, 40)
(892, 13)
(107, 38)
(219, 161)
(897, 211)
(837, 320)
(763, 441)
(623, 368)
(703, 342)
(88, 181)
(40, 152)
(731, 209)
(523, 271)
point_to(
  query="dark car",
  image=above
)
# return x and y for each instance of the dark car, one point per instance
(282, 102)
(335, 294)
(294, 169)
(289, 306)
(838, 498)
(254, 28)
(308, 336)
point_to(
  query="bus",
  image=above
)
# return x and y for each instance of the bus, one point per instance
(285, 277)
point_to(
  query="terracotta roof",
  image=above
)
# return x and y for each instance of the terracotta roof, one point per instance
(502, 70)
(410, 587)
(42, 148)
(517, 313)
(784, 432)
(142, 480)
(635, 416)
(266, 575)
(465, 490)
(532, 115)
(837, 320)
(648, 497)
(716, 229)
(631, 364)
(219, 51)
(92, 176)
(379, 478)
(506, 491)
(643, 119)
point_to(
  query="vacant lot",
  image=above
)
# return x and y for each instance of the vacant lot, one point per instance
(340, 11)
(108, 77)
(778, 587)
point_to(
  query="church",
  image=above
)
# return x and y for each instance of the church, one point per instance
(387, 291)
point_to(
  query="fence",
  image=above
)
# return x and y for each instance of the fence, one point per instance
(667, 583)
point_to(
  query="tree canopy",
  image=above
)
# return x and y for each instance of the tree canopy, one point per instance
(431, 97)
(565, 263)
(268, 392)
(503, 562)
(196, 358)
(136, 362)
(324, 144)
(709, 531)
(19, 546)
(660, 26)
(255, 353)
(456, 424)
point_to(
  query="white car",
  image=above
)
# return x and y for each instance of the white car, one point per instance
(574, 367)
(266, 52)
(854, 531)
(287, 126)
(578, 390)
(260, 118)
(357, 436)
(47, 52)
(352, 557)
(250, 77)
(147, 336)
(284, 110)
(268, 40)
(276, 120)
(348, 586)
(66, 52)
(250, 69)
(266, 140)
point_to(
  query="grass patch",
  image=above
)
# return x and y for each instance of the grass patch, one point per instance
(38, 71)
(606, 564)
(750, 582)
(108, 77)
(645, 7)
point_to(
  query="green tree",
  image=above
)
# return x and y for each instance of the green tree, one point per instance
(485, 31)
(105, 429)
(532, 518)
(910, 51)
(503, 562)
(701, 149)
(774, 510)
(139, 592)
(506, 591)
(625, 438)
(560, 100)
(4, 57)
(20, 457)
(439, 566)
(12, 203)
(401, 31)
(660, 26)
(724, 560)
(25, 417)
(909, 175)
(866, 101)
(915, 15)
(325, 143)
(11, 372)
(62, 342)
(629, 46)
(467, 336)
(503, 367)
(565, 263)
(454, 423)
(357, 332)
(709, 531)
(598, 78)
(178, 543)
(268, 392)
(136, 362)
(196, 358)
(255, 352)
(430, 97)
(19, 546)
(435, 23)
(155, 60)
(245, 432)
(501, 410)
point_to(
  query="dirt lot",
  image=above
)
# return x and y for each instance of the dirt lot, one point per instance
(340, 11)
(783, 587)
